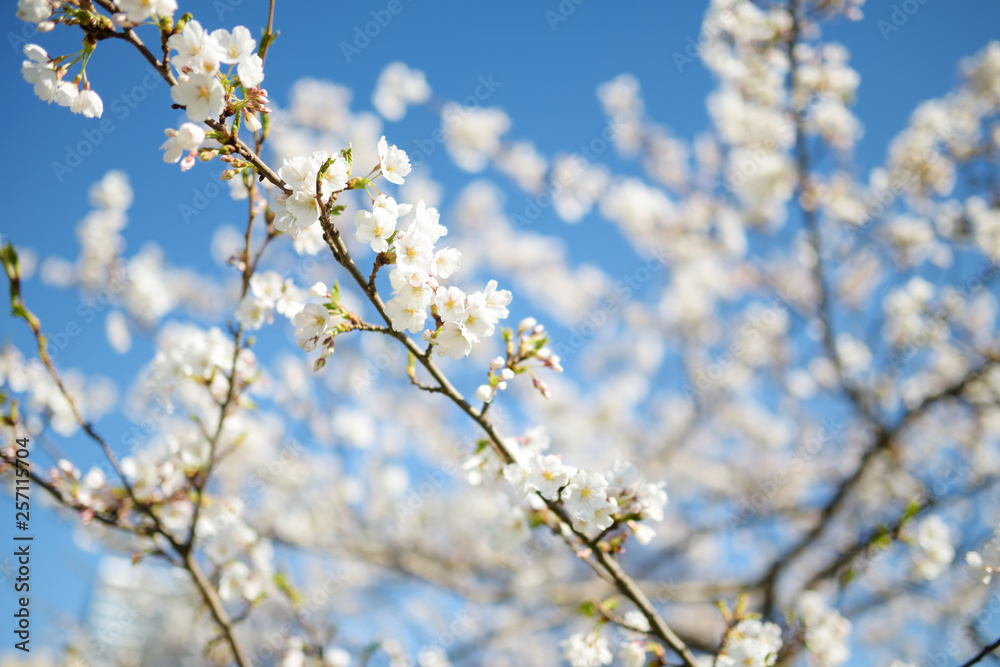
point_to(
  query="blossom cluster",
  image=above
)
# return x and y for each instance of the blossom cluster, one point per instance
(299, 210)
(269, 293)
(589, 650)
(933, 551)
(826, 631)
(595, 501)
(190, 360)
(462, 319)
(202, 89)
(47, 77)
(397, 87)
(199, 56)
(983, 564)
(45, 404)
(140, 289)
(526, 350)
(418, 268)
(751, 643)
(716, 187)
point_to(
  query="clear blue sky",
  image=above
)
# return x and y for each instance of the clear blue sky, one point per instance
(548, 79)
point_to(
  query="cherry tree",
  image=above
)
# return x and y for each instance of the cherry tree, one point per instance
(356, 455)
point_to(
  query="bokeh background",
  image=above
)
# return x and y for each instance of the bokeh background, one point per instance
(546, 63)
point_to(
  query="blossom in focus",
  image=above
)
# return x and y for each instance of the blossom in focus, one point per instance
(393, 162)
(201, 95)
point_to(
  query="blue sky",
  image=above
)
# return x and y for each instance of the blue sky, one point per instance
(547, 70)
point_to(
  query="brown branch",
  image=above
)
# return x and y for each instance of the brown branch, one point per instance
(884, 440)
(884, 436)
(982, 654)
(110, 520)
(620, 579)
(215, 606)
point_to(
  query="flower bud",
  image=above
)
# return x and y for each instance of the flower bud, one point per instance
(643, 533)
(526, 324)
(543, 388)
(497, 364)
(484, 393)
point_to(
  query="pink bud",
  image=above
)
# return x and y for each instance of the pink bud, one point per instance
(541, 386)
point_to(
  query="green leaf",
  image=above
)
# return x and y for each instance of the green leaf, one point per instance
(882, 538)
(369, 651)
(10, 263)
(723, 607)
(911, 511)
(588, 609)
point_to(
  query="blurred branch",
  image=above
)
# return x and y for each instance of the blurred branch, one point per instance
(184, 550)
(987, 650)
